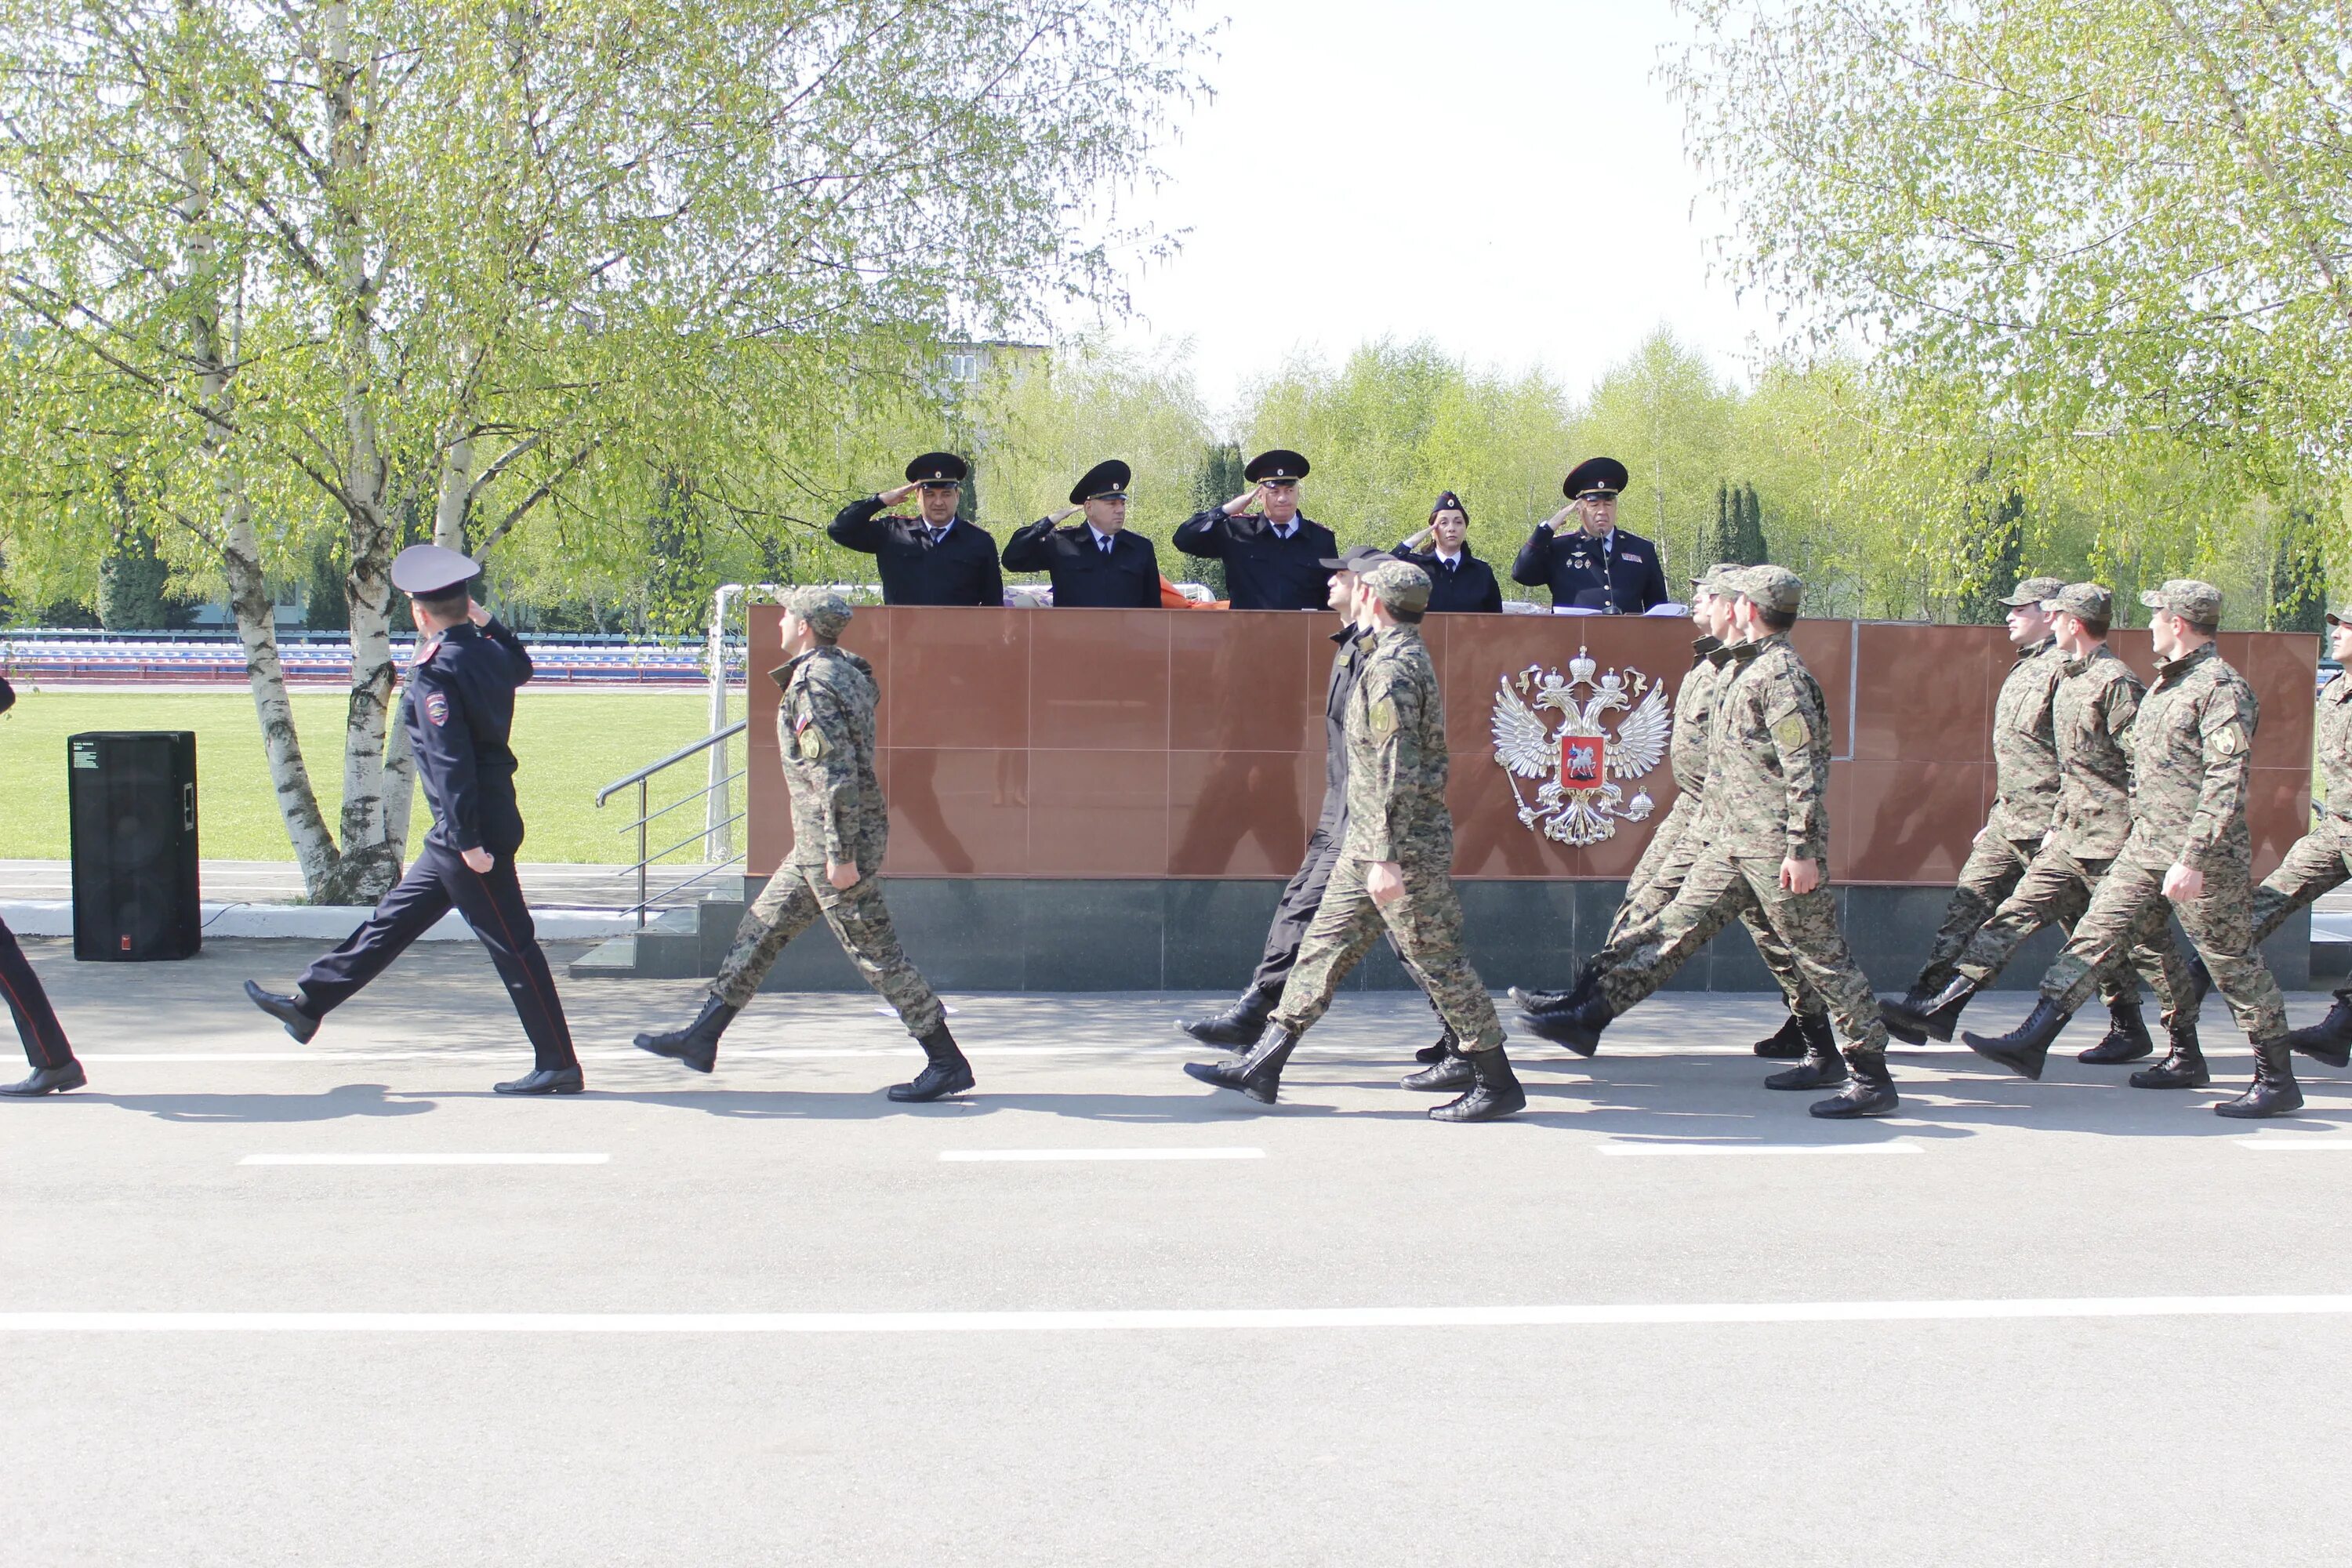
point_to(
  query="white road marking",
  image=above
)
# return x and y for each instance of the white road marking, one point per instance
(1183, 1320)
(2291, 1142)
(1892, 1146)
(981, 1155)
(425, 1160)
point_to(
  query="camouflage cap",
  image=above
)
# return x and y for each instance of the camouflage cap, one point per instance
(2034, 592)
(2188, 598)
(1399, 585)
(826, 611)
(1768, 587)
(2339, 617)
(1716, 579)
(2085, 601)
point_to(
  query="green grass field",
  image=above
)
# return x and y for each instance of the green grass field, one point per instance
(571, 744)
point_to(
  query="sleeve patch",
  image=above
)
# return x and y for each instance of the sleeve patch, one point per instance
(812, 743)
(1384, 717)
(2228, 741)
(437, 708)
(1789, 731)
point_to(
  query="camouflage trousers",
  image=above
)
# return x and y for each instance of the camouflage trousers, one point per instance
(1995, 867)
(2320, 862)
(2129, 909)
(1659, 875)
(1426, 925)
(2055, 891)
(794, 896)
(1720, 888)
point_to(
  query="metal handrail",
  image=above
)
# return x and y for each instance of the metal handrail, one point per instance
(706, 872)
(688, 800)
(696, 749)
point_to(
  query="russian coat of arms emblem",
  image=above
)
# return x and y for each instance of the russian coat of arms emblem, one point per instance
(1579, 801)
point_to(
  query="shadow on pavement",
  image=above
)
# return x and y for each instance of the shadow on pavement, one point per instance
(345, 1101)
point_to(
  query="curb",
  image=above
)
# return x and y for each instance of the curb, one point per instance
(315, 923)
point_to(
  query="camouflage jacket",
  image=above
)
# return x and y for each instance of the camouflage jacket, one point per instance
(1768, 777)
(2192, 747)
(825, 731)
(1396, 756)
(2334, 748)
(2092, 715)
(2024, 749)
(1694, 711)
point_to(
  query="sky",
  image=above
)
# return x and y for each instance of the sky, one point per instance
(1504, 176)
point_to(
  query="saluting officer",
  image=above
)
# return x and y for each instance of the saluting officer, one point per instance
(55, 1068)
(1096, 565)
(1274, 556)
(1597, 566)
(1458, 581)
(459, 714)
(937, 558)
(824, 727)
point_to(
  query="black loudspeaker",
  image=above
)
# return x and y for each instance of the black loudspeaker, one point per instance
(131, 798)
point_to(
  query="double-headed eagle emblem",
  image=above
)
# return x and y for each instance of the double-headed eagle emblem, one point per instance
(1577, 804)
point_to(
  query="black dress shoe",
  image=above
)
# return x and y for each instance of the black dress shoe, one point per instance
(47, 1080)
(1494, 1091)
(544, 1080)
(696, 1045)
(945, 1073)
(285, 1009)
(1784, 1044)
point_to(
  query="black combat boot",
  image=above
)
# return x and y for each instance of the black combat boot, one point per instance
(1823, 1067)
(1869, 1092)
(1579, 1027)
(946, 1072)
(1438, 1051)
(1493, 1090)
(2274, 1092)
(696, 1045)
(1450, 1071)
(287, 1010)
(1539, 1003)
(1257, 1074)
(1241, 1025)
(2127, 1038)
(2023, 1051)
(2329, 1041)
(1786, 1043)
(2183, 1066)
(2200, 980)
(1913, 1020)
(47, 1080)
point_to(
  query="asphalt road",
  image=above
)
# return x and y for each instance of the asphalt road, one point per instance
(2068, 1323)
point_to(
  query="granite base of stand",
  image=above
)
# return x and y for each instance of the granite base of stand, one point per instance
(1202, 934)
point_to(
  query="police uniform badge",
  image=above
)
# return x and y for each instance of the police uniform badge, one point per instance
(437, 708)
(1578, 802)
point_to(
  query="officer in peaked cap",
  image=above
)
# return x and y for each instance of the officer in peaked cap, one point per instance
(1458, 580)
(1596, 565)
(459, 714)
(1097, 563)
(1273, 555)
(936, 558)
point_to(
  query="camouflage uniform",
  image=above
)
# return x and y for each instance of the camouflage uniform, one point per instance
(1768, 784)
(1396, 811)
(825, 731)
(2321, 860)
(2191, 746)
(2092, 715)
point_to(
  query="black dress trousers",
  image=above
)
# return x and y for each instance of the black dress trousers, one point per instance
(37, 1021)
(491, 902)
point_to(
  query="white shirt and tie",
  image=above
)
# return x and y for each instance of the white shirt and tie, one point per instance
(1103, 542)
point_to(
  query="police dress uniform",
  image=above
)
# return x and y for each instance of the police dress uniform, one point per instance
(954, 563)
(45, 1048)
(1090, 571)
(1266, 568)
(1464, 584)
(1618, 573)
(460, 715)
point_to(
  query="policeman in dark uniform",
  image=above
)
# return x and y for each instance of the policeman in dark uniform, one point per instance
(459, 712)
(1457, 579)
(1274, 557)
(1599, 566)
(937, 558)
(1097, 564)
(55, 1069)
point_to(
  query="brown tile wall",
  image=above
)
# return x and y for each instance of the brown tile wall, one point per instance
(1113, 743)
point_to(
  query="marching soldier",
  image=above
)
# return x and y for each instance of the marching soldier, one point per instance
(2091, 718)
(1395, 868)
(1597, 566)
(824, 728)
(1272, 555)
(2321, 859)
(459, 714)
(937, 558)
(54, 1067)
(1458, 580)
(2189, 847)
(2026, 778)
(1096, 565)
(1766, 820)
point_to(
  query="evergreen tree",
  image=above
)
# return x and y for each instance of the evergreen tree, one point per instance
(1997, 540)
(1754, 549)
(325, 609)
(1221, 476)
(1720, 542)
(130, 584)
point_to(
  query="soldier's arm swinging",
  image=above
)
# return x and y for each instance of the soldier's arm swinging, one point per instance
(1803, 749)
(2227, 735)
(824, 732)
(452, 782)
